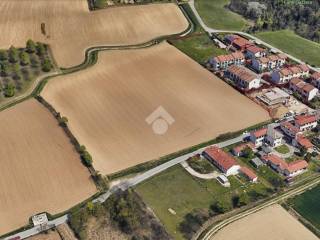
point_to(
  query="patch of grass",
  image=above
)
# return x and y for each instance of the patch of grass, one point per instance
(271, 176)
(307, 204)
(283, 149)
(176, 189)
(293, 44)
(198, 47)
(215, 14)
(201, 165)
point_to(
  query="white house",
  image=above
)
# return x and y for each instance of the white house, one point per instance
(257, 137)
(284, 75)
(243, 77)
(289, 129)
(295, 168)
(268, 63)
(305, 90)
(224, 61)
(273, 138)
(305, 122)
(255, 52)
(222, 160)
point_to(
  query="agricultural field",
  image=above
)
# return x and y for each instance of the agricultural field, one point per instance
(107, 105)
(50, 235)
(215, 14)
(70, 28)
(273, 222)
(40, 170)
(307, 205)
(293, 44)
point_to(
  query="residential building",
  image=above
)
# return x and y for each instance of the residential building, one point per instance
(305, 122)
(255, 52)
(274, 96)
(239, 43)
(273, 138)
(238, 150)
(243, 77)
(222, 160)
(301, 141)
(288, 169)
(315, 79)
(257, 137)
(305, 90)
(268, 63)
(248, 173)
(224, 61)
(289, 129)
(284, 75)
(295, 168)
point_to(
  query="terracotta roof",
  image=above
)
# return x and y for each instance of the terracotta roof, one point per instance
(297, 165)
(290, 127)
(303, 67)
(229, 57)
(263, 60)
(242, 146)
(243, 73)
(255, 49)
(238, 55)
(305, 119)
(316, 76)
(302, 85)
(248, 172)
(273, 58)
(295, 69)
(221, 157)
(260, 132)
(275, 160)
(303, 141)
(285, 72)
(282, 56)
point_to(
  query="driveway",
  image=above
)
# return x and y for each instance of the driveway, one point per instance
(207, 176)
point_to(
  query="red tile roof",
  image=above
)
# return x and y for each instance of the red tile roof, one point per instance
(248, 172)
(243, 73)
(275, 160)
(302, 85)
(290, 127)
(255, 49)
(303, 141)
(303, 67)
(242, 146)
(316, 76)
(305, 119)
(260, 132)
(297, 165)
(223, 159)
(229, 57)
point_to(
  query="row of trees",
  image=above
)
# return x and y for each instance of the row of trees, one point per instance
(300, 16)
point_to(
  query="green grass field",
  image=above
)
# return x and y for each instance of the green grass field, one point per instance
(282, 149)
(215, 15)
(293, 44)
(176, 189)
(307, 204)
(198, 47)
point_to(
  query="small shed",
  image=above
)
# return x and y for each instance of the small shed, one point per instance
(256, 162)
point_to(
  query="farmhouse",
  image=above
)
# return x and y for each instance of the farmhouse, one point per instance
(274, 96)
(248, 173)
(238, 150)
(305, 122)
(301, 141)
(268, 63)
(282, 167)
(224, 61)
(284, 75)
(222, 160)
(255, 52)
(239, 43)
(315, 79)
(257, 137)
(289, 129)
(305, 90)
(243, 77)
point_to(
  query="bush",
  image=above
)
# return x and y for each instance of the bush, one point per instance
(31, 46)
(41, 49)
(221, 206)
(3, 55)
(46, 65)
(9, 90)
(13, 54)
(24, 59)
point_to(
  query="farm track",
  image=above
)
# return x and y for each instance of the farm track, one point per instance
(91, 57)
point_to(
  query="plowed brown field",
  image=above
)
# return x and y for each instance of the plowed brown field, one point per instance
(107, 105)
(70, 28)
(40, 170)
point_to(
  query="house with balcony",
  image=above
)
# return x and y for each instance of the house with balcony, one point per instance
(244, 78)
(222, 62)
(284, 75)
(268, 63)
(305, 90)
(255, 52)
(305, 122)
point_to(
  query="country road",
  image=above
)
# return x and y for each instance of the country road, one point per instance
(258, 40)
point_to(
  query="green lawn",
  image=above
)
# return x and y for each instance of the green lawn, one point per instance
(215, 15)
(307, 204)
(282, 149)
(198, 47)
(177, 189)
(293, 44)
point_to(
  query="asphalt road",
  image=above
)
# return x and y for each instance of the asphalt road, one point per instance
(259, 41)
